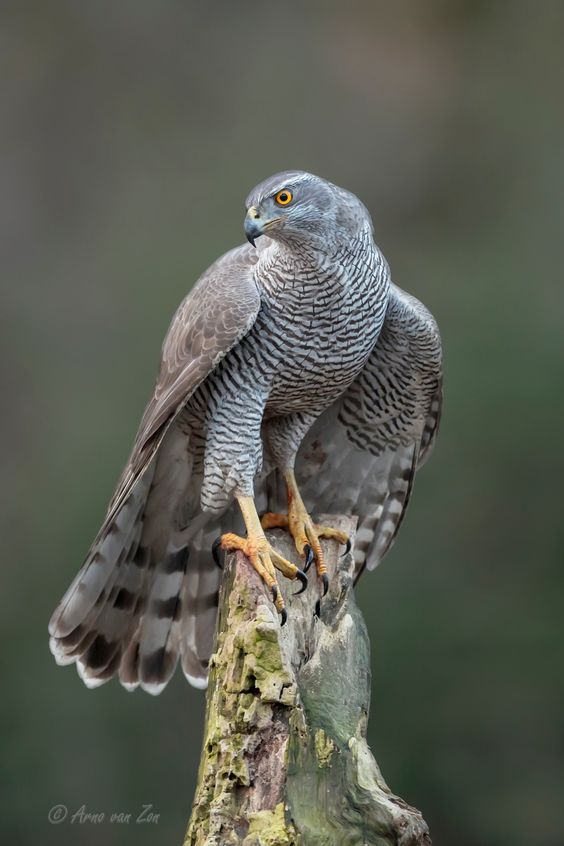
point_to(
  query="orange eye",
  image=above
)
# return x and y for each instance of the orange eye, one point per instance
(284, 197)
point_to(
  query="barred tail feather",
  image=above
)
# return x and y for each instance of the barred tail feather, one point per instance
(151, 610)
(148, 591)
(90, 586)
(90, 625)
(200, 596)
(157, 654)
(179, 620)
(114, 626)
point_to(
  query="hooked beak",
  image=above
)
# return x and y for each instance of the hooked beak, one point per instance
(255, 224)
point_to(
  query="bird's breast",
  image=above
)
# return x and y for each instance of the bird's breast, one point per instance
(315, 341)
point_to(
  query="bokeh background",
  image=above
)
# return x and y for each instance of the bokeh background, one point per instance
(131, 134)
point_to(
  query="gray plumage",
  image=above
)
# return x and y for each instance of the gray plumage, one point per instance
(300, 347)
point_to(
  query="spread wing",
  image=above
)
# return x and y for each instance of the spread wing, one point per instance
(361, 455)
(219, 310)
(114, 614)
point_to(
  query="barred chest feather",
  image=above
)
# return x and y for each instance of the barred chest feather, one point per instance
(318, 326)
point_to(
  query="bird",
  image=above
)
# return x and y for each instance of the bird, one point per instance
(293, 358)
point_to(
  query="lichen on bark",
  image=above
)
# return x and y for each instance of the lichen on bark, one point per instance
(285, 759)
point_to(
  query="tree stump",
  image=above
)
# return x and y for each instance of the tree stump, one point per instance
(285, 759)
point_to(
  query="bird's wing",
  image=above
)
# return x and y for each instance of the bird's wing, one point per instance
(361, 455)
(100, 620)
(219, 311)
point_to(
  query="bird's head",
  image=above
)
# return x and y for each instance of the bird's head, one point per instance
(298, 207)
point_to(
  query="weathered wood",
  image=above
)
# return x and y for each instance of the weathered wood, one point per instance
(285, 759)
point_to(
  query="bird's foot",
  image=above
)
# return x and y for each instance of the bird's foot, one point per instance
(306, 536)
(266, 561)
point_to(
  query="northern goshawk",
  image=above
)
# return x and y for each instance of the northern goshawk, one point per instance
(295, 356)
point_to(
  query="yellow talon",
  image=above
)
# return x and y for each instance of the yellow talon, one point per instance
(261, 555)
(305, 532)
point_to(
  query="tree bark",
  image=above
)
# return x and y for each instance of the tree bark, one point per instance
(285, 759)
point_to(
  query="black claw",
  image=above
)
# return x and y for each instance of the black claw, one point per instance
(308, 557)
(325, 583)
(274, 590)
(216, 546)
(348, 547)
(283, 617)
(318, 608)
(303, 579)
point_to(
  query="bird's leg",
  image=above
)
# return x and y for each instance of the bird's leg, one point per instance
(261, 554)
(305, 532)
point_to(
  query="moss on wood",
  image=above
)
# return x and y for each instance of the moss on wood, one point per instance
(285, 759)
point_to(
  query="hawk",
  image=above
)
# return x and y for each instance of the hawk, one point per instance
(293, 358)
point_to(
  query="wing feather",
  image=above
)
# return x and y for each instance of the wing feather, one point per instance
(361, 455)
(219, 311)
(101, 611)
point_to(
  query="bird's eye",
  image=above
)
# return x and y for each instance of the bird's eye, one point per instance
(283, 197)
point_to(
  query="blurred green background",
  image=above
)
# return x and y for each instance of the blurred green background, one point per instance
(131, 134)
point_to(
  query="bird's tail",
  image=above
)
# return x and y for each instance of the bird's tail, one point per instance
(139, 602)
(94, 620)
(178, 620)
